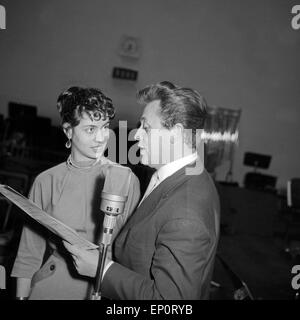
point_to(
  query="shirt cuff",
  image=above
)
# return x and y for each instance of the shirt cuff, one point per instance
(106, 268)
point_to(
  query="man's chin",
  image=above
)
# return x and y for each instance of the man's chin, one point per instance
(145, 160)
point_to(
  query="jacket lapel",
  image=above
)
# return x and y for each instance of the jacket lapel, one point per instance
(158, 195)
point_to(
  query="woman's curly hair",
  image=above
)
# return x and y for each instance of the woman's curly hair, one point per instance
(75, 101)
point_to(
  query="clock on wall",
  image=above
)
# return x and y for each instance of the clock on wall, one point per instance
(130, 47)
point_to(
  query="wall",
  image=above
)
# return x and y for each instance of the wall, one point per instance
(239, 54)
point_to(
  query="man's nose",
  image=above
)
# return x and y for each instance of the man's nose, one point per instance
(138, 134)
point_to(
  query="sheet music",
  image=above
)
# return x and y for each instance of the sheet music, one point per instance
(52, 224)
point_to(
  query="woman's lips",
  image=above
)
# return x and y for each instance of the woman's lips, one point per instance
(97, 148)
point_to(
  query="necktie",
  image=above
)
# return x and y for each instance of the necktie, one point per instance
(152, 184)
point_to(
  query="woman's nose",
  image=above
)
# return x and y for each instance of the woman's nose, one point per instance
(100, 135)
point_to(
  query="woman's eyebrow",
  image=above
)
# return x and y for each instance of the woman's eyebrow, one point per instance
(89, 125)
(96, 125)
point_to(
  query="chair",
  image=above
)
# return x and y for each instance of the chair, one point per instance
(293, 216)
(258, 181)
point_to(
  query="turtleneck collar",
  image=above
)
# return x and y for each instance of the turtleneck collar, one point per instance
(82, 164)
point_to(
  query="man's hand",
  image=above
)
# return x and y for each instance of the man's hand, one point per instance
(85, 261)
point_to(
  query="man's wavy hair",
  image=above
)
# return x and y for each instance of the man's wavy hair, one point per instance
(75, 101)
(177, 105)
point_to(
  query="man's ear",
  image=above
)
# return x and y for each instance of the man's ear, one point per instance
(67, 128)
(177, 132)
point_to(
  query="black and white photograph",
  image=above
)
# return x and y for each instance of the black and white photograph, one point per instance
(149, 150)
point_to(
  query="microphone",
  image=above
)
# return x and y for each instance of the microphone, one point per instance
(114, 195)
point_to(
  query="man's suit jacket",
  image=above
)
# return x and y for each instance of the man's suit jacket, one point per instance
(167, 248)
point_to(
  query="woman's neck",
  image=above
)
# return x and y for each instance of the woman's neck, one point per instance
(82, 164)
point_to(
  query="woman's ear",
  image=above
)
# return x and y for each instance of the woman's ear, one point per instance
(67, 130)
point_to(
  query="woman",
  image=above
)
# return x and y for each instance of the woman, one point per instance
(71, 193)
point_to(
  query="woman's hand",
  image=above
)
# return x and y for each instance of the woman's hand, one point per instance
(85, 261)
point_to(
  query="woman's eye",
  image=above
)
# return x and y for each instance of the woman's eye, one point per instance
(90, 130)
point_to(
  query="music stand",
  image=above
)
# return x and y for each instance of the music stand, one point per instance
(256, 180)
(257, 160)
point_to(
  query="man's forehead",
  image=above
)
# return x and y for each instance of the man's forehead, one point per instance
(151, 110)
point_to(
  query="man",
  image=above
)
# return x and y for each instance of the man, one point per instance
(167, 248)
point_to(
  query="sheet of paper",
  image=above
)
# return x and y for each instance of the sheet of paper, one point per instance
(54, 225)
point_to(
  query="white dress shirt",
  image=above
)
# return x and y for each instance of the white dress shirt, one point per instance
(168, 169)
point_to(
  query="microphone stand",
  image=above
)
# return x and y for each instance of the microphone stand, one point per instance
(112, 206)
(101, 263)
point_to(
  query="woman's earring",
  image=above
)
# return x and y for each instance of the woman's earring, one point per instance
(68, 144)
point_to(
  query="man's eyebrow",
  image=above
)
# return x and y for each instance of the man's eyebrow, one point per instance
(144, 121)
